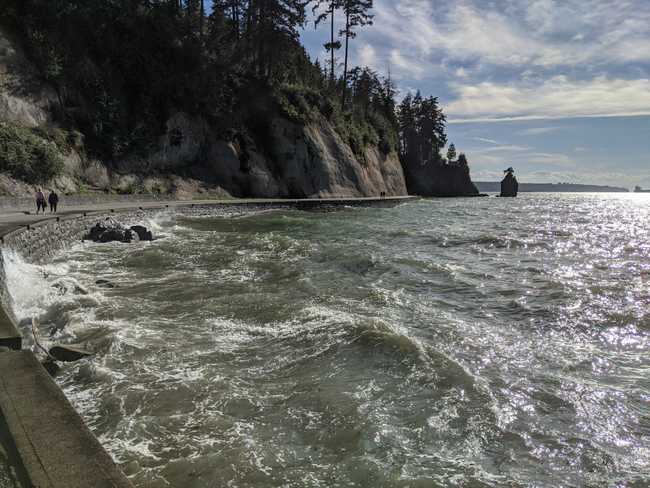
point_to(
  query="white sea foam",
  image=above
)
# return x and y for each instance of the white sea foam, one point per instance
(30, 285)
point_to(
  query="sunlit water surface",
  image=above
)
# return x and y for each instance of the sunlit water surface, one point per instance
(445, 343)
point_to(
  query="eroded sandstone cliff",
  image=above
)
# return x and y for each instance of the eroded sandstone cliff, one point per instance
(277, 158)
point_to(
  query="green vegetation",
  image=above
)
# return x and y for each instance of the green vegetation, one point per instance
(122, 68)
(371, 119)
(28, 156)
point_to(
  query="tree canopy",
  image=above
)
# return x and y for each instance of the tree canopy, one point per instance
(121, 68)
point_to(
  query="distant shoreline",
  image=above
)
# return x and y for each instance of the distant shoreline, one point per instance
(495, 186)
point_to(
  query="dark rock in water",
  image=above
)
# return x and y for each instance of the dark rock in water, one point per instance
(509, 186)
(51, 367)
(142, 232)
(69, 353)
(116, 235)
(95, 232)
(104, 284)
(111, 231)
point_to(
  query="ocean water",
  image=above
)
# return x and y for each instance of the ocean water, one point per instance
(442, 343)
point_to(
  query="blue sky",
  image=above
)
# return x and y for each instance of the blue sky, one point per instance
(559, 89)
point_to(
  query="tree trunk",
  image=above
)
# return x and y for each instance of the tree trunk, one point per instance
(332, 48)
(235, 18)
(201, 18)
(345, 65)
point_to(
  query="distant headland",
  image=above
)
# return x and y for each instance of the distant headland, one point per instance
(494, 186)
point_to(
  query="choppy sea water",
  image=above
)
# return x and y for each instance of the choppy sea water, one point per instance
(442, 343)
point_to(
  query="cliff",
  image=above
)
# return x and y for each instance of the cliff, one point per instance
(24, 99)
(439, 179)
(280, 158)
(266, 154)
(259, 140)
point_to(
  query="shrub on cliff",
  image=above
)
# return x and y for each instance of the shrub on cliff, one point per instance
(26, 156)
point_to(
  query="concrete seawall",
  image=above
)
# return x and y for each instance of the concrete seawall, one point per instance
(52, 445)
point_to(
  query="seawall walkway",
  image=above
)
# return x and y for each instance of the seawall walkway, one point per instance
(50, 445)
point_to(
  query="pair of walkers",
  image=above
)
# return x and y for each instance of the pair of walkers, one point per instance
(41, 203)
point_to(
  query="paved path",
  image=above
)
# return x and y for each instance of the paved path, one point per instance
(12, 219)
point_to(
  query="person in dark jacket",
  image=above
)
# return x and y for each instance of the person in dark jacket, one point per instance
(53, 199)
(40, 201)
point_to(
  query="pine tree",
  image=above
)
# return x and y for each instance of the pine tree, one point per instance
(451, 153)
(273, 23)
(356, 15)
(421, 127)
(333, 45)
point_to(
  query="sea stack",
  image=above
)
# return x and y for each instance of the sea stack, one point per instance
(509, 185)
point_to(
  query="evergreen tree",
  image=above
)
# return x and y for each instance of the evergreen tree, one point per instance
(451, 153)
(333, 45)
(357, 14)
(422, 132)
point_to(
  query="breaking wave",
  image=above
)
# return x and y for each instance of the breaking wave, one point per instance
(445, 343)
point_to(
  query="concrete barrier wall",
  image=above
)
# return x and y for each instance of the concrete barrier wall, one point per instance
(28, 204)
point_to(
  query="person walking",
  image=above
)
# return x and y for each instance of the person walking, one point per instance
(53, 199)
(40, 201)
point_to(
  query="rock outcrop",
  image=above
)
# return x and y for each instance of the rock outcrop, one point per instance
(111, 231)
(509, 185)
(435, 179)
(285, 159)
(142, 233)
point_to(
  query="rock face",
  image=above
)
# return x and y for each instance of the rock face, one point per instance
(111, 231)
(23, 98)
(509, 186)
(290, 160)
(271, 157)
(439, 180)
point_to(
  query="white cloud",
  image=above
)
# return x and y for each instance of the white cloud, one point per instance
(367, 56)
(499, 149)
(406, 66)
(557, 97)
(542, 33)
(538, 131)
(548, 159)
(488, 141)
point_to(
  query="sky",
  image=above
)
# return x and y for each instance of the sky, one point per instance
(559, 89)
